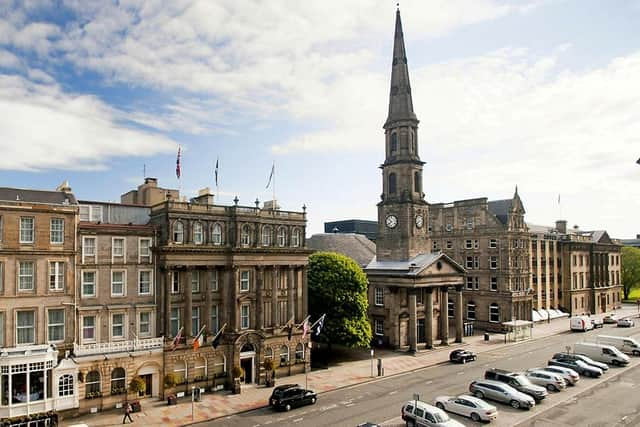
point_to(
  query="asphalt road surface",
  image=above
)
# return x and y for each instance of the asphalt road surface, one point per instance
(381, 401)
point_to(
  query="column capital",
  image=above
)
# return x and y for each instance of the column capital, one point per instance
(459, 288)
(428, 290)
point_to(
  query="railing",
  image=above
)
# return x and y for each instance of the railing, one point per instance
(118, 346)
(226, 210)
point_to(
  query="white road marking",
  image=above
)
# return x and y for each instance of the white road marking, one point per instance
(350, 404)
(298, 420)
(429, 382)
(461, 372)
(391, 393)
(326, 408)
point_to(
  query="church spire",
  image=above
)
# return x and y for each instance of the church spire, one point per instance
(400, 102)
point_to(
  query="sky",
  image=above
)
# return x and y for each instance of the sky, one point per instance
(539, 94)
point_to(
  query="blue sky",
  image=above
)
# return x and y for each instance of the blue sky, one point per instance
(542, 94)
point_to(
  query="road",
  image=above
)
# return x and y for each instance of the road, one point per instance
(380, 401)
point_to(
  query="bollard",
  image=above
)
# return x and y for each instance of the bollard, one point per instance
(486, 336)
(380, 368)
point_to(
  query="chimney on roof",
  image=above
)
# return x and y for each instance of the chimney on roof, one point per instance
(64, 187)
(204, 197)
(561, 226)
(151, 182)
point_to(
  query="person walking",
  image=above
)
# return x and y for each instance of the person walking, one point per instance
(127, 413)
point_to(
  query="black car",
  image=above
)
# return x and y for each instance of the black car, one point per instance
(289, 396)
(574, 356)
(577, 365)
(462, 356)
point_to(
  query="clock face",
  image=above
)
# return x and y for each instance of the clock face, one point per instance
(419, 221)
(391, 221)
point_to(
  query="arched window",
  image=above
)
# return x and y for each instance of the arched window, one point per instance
(392, 183)
(417, 184)
(65, 385)
(92, 384)
(216, 234)
(118, 381)
(245, 237)
(282, 236)
(200, 369)
(180, 371)
(198, 237)
(394, 143)
(178, 232)
(471, 311)
(299, 353)
(284, 355)
(219, 365)
(494, 313)
(295, 237)
(268, 353)
(266, 236)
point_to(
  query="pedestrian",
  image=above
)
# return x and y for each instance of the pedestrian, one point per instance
(127, 413)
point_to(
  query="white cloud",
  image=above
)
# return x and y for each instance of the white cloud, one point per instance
(41, 127)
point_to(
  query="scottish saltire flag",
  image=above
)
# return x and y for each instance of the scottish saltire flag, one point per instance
(273, 170)
(178, 169)
(216, 172)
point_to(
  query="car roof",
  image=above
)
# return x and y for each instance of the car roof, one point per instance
(473, 399)
(493, 382)
(286, 386)
(424, 405)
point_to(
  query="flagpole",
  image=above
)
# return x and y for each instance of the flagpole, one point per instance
(275, 204)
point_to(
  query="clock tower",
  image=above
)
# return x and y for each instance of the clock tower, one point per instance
(402, 212)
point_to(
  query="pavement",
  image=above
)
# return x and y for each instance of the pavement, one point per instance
(223, 403)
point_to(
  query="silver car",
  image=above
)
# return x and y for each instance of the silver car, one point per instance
(501, 392)
(570, 376)
(552, 382)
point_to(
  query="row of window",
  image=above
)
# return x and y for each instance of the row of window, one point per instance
(25, 326)
(117, 326)
(473, 262)
(393, 183)
(28, 231)
(216, 235)
(118, 249)
(177, 321)
(118, 283)
(26, 277)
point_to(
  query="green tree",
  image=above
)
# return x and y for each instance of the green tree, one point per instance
(338, 287)
(630, 269)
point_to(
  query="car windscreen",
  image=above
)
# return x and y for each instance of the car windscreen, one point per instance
(441, 417)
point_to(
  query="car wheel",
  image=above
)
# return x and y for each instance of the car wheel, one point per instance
(475, 417)
(440, 405)
(551, 387)
(478, 394)
(515, 404)
(313, 400)
(287, 407)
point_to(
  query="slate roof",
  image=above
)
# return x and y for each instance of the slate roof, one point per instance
(37, 196)
(355, 246)
(500, 208)
(411, 267)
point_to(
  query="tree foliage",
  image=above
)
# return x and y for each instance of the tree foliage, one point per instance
(137, 385)
(338, 287)
(630, 269)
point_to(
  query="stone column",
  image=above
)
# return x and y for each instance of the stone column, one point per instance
(224, 283)
(290, 294)
(428, 317)
(274, 296)
(234, 309)
(413, 336)
(300, 309)
(259, 302)
(167, 303)
(444, 315)
(459, 313)
(207, 299)
(188, 302)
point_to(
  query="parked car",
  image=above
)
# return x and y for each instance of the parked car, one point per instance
(418, 413)
(625, 323)
(289, 396)
(570, 376)
(462, 356)
(580, 323)
(624, 344)
(597, 322)
(577, 365)
(501, 392)
(610, 318)
(368, 424)
(603, 366)
(602, 353)
(517, 381)
(468, 406)
(549, 380)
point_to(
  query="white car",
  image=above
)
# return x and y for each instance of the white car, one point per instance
(468, 406)
(625, 323)
(570, 376)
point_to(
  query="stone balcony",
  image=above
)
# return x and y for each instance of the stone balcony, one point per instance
(130, 346)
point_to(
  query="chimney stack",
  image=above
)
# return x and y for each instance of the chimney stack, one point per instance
(561, 226)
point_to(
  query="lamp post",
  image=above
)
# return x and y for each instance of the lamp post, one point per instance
(372, 353)
(193, 400)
